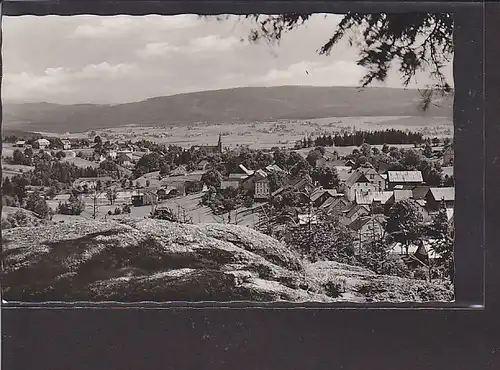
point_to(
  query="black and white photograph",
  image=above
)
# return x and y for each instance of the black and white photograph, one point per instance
(302, 158)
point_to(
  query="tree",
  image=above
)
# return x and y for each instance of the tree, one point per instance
(212, 178)
(313, 156)
(7, 187)
(326, 177)
(427, 151)
(36, 203)
(404, 223)
(366, 150)
(74, 206)
(442, 234)
(111, 195)
(18, 157)
(383, 40)
(385, 148)
(95, 195)
(411, 159)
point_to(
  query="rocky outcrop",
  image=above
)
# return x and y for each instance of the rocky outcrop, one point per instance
(154, 260)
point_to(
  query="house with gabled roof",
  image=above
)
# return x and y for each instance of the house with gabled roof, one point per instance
(448, 156)
(357, 182)
(350, 214)
(406, 179)
(42, 144)
(321, 195)
(202, 165)
(374, 177)
(398, 195)
(381, 197)
(179, 171)
(20, 144)
(420, 192)
(436, 195)
(367, 228)
(335, 205)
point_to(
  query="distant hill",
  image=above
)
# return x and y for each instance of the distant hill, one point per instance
(223, 106)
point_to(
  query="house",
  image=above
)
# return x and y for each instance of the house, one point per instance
(381, 197)
(179, 171)
(343, 173)
(144, 197)
(42, 144)
(335, 205)
(436, 195)
(248, 182)
(350, 163)
(246, 171)
(66, 144)
(262, 190)
(407, 179)
(20, 144)
(367, 228)
(91, 182)
(306, 219)
(357, 182)
(420, 192)
(202, 165)
(399, 194)
(167, 192)
(321, 195)
(415, 251)
(124, 160)
(349, 215)
(448, 156)
(273, 168)
(374, 177)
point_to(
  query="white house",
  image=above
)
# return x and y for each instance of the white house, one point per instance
(66, 144)
(358, 183)
(262, 189)
(43, 143)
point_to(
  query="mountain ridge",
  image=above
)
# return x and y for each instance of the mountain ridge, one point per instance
(236, 105)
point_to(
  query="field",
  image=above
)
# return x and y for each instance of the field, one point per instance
(80, 162)
(9, 170)
(262, 135)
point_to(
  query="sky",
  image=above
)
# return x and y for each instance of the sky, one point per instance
(119, 59)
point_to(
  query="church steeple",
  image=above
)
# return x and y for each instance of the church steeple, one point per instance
(219, 144)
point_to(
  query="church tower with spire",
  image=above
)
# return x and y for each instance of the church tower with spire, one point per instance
(219, 144)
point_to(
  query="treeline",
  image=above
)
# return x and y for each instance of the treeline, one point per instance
(358, 138)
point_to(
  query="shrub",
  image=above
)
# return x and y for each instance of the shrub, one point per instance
(74, 206)
(334, 289)
(36, 203)
(18, 219)
(126, 209)
(421, 273)
(165, 214)
(118, 211)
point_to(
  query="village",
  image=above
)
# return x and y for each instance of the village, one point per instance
(268, 190)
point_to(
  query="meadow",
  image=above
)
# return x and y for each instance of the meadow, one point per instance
(265, 135)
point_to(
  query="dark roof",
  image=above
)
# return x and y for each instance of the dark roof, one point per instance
(420, 192)
(355, 208)
(358, 223)
(356, 176)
